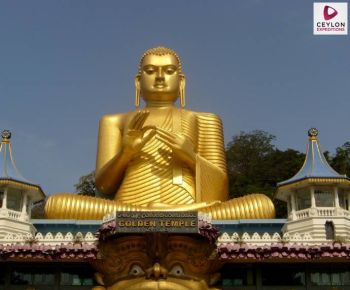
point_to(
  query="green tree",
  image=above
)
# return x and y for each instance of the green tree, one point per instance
(86, 185)
(248, 162)
(284, 165)
(38, 210)
(256, 165)
(341, 161)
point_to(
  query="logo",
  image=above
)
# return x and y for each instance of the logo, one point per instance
(327, 15)
(330, 18)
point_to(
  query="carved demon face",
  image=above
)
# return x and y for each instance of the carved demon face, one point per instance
(155, 262)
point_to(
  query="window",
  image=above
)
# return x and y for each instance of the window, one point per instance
(44, 279)
(14, 200)
(324, 198)
(303, 200)
(331, 277)
(76, 277)
(21, 278)
(283, 275)
(343, 202)
(46, 275)
(36, 276)
(237, 276)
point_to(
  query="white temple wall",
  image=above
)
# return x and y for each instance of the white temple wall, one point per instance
(15, 227)
(316, 227)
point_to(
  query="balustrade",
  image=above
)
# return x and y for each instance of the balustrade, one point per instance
(321, 212)
(301, 214)
(13, 214)
(325, 211)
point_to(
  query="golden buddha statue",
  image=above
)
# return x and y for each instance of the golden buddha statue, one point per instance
(160, 157)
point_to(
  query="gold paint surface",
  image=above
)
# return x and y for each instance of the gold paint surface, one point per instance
(160, 157)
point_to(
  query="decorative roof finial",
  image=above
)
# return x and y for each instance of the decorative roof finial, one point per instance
(9, 173)
(315, 164)
(313, 132)
(6, 135)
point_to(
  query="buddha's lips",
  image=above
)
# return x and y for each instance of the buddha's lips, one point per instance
(160, 86)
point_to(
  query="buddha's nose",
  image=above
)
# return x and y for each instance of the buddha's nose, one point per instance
(160, 74)
(156, 272)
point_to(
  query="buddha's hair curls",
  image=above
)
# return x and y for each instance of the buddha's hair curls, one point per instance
(160, 50)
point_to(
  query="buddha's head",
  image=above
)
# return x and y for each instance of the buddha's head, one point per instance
(160, 78)
(159, 262)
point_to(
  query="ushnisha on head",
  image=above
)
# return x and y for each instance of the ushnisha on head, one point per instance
(160, 78)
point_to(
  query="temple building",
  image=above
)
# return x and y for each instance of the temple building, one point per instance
(317, 197)
(308, 250)
(17, 194)
(25, 243)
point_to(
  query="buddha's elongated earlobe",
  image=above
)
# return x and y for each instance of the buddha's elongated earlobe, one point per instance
(137, 92)
(183, 91)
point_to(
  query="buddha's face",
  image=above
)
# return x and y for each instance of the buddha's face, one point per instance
(160, 78)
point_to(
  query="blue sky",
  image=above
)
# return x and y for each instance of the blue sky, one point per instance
(64, 64)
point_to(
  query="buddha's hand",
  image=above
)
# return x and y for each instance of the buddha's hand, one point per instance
(181, 146)
(137, 135)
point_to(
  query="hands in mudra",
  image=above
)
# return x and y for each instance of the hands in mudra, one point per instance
(181, 146)
(138, 135)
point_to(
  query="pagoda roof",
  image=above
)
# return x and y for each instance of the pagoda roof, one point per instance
(315, 165)
(9, 173)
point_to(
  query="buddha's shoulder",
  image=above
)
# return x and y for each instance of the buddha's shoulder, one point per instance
(204, 116)
(114, 119)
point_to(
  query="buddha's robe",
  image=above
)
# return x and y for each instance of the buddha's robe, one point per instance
(155, 176)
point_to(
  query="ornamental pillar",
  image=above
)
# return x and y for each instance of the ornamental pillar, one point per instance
(312, 196)
(293, 206)
(336, 197)
(4, 199)
(24, 203)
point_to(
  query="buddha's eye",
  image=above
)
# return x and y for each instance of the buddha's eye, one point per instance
(170, 70)
(177, 270)
(149, 70)
(136, 270)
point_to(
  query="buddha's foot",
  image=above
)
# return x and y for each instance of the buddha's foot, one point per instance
(252, 206)
(157, 206)
(80, 207)
(69, 206)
